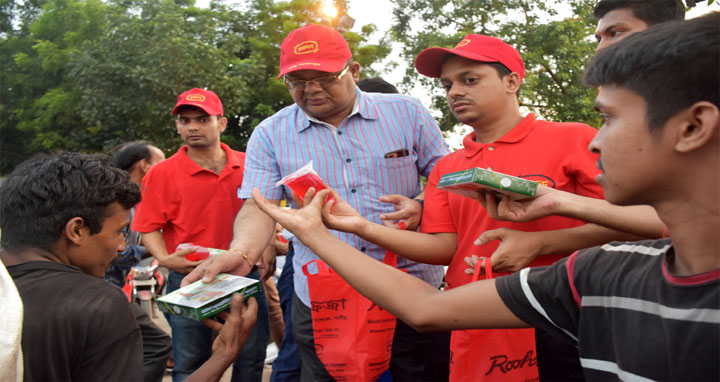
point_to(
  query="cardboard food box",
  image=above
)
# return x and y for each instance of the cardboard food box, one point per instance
(469, 182)
(199, 300)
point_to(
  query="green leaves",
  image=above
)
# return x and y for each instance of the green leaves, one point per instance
(555, 52)
(87, 75)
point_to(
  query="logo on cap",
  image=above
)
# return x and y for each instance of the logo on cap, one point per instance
(195, 97)
(462, 43)
(306, 47)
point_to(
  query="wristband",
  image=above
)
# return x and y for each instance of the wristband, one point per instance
(421, 201)
(244, 256)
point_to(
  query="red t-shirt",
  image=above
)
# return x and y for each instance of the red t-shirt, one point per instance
(551, 153)
(191, 204)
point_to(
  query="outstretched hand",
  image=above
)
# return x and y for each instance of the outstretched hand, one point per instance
(547, 201)
(340, 215)
(176, 261)
(236, 329)
(297, 221)
(231, 338)
(516, 251)
(407, 213)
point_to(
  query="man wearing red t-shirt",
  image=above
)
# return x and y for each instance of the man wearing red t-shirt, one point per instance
(193, 197)
(481, 77)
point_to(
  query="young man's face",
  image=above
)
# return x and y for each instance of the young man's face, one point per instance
(475, 92)
(325, 103)
(631, 156)
(198, 129)
(616, 25)
(97, 251)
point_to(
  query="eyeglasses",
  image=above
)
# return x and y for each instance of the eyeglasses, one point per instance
(323, 82)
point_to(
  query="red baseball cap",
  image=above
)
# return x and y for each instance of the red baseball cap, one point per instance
(474, 47)
(204, 99)
(314, 47)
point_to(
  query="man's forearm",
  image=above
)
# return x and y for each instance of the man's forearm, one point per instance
(155, 244)
(212, 369)
(569, 240)
(640, 220)
(417, 303)
(252, 231)
(421, 247)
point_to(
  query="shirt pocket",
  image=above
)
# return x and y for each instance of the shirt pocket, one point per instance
(397, 175)
(395, 163)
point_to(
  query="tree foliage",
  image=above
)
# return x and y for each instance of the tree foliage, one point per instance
(555, 49)
(86, 75)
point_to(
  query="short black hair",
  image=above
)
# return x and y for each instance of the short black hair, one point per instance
(191, 107)
(43, 193)
(671, 66)
(376, 85)
(652, 12)
(126, 155)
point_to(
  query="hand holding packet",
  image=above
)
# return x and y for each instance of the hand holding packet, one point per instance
(201, 253)
(301, 180)
(199, 300)
(469, 182)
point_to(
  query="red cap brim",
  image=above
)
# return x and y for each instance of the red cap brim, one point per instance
(204, 107)
(429, 61)
(322, 66)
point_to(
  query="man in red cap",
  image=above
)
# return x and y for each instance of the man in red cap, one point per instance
(616, 20)
(366, 146)
(193, 197)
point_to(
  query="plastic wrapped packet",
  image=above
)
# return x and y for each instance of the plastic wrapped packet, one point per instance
(470, 182)
(301, 180)
(199, 300)
(201, 253)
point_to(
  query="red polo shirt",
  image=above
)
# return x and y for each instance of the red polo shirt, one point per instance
(191, 204)
(554, 154)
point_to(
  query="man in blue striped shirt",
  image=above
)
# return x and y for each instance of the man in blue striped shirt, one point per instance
(364, 146)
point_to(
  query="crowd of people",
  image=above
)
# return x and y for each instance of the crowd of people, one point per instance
(615, 262)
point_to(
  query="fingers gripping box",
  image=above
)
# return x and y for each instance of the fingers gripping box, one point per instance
(199, 300)
(469, 182)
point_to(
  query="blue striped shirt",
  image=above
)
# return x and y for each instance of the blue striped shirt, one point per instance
(351, 160)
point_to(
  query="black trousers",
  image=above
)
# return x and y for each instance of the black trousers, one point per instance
(415, 356)
(157, 345)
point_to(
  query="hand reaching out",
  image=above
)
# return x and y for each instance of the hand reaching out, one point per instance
(408, 212)
(236, 329)
(547, 201)
(177, 262)
(297, 221)
(516, 251)
(232, 336)
(341, 216)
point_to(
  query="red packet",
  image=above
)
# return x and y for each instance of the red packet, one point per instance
(301, 180)
(201, 253)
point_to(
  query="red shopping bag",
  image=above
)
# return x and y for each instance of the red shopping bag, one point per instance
(353, 336)
(493, 354)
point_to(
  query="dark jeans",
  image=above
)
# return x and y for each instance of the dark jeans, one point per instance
(286, 366)
(419, 356)
(157, 345)
(192, 341)
(410, 350)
